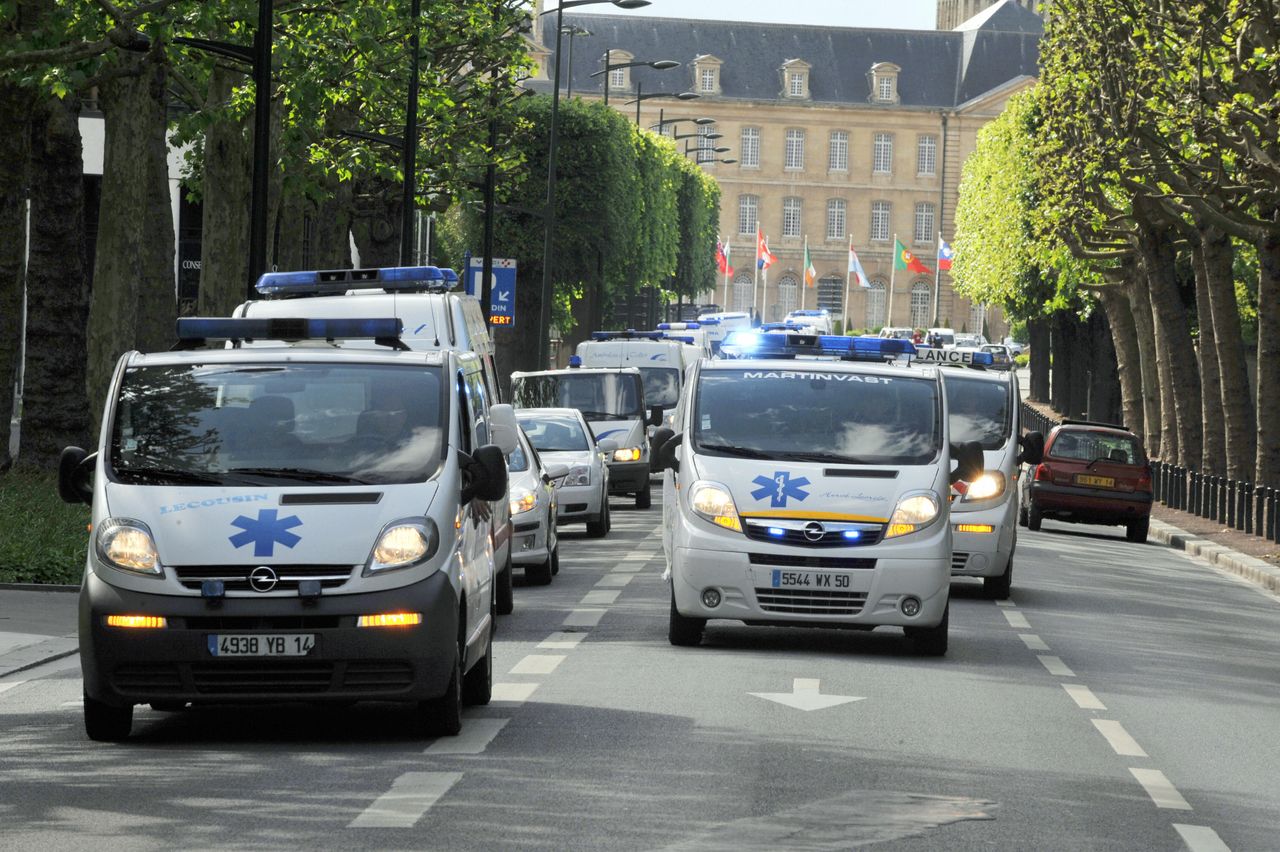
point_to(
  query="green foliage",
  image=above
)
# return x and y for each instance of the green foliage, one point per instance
(1021, 361)
(42, 539)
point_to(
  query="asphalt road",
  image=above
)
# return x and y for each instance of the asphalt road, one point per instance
(1126, 698)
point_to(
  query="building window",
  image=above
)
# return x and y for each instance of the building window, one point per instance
(835, 218)
(618, 79)
(706, 145)
(880, 221)
(748, 214)
(831, 294)
(749, 149)
(707, 80)
(927, 155)
(743, 290)
(788, 291)
(882, 154)
(875, 305)
(795, 84)
(883, 81)
(924, 223)
(977, 319)
(795, 150)
(884, 91)
(791, 217)
(838, 151)
(920, 303)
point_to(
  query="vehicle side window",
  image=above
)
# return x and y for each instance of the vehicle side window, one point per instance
(479, 399)
(465, 416)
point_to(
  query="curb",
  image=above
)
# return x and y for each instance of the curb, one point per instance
(1257, 571)
(37, 587)
(40, 662)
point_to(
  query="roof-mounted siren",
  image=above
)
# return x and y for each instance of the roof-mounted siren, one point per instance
(332, 282)
(629, 334)
(194, 332)
(756, 344)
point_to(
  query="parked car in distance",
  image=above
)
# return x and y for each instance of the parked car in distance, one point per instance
(532, 490)
(901, 333)
(970, 341)
(1001, 357)
(562, 436)
(1015, 348)
(1091, 473)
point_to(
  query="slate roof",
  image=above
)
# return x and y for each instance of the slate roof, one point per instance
(940, 69)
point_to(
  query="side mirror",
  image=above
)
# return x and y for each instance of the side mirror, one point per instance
(502, 428)
(484, 474)
(655, 416)
(659, 437)
(607, 446)
(969, 461)
(555, 472)
(666, 454)
(1032, 445)
(75, 466)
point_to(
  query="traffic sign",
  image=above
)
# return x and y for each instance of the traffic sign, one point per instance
(502, 300)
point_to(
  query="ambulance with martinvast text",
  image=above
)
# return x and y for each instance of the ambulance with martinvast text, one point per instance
(305, 520)
(806, 484)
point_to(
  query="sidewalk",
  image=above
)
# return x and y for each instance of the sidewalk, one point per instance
(35, 627)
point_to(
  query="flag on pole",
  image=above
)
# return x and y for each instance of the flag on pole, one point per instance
(855, 268)
(722, 258)
(903, 259)
(764, 257)
(945, 255)
(810, 274)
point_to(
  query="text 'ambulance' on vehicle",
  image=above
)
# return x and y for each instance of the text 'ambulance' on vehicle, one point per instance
(807, 484)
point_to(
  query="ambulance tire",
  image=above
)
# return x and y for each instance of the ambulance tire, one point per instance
(599, 528)
(443, 715)
(539, 575)
(998, 588)
(555, 559)
(477, 684)
(1022, 516)
(931, 641)
(643, 497)
(504, 594)
(608, 517)
(105, 723)
(1033, 518)
(1136, 531)
(682, 630)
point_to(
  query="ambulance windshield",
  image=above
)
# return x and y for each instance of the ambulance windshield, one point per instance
(978, 411)
(598, 395)
(283, 423)
(661, 386)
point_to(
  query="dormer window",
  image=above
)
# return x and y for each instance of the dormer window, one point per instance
(706, 74)
(795, 79)
(795, 85)
(884, 83)
(619, 78)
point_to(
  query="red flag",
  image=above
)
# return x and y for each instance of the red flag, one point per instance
(764, 257)
(722, 258)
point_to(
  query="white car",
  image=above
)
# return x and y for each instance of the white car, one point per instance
(819, 320)
(532, 490)
(562, 436)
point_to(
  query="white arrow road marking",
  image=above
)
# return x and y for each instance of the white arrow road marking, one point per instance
(806, 696)
(410, 796)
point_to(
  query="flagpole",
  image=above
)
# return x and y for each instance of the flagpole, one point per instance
(804, 273)
(893, 274)
(937, 280)
(848, 262)
(764, 297)
(755, 285)
(727, 267)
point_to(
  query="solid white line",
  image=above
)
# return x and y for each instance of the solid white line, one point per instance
(1056, 667)
(618, 580)
(1016, 619)
(562, 641)
(1119, 738)
(474, 739)
(513, 693)
(537, 664)
(10, 684)
(411, 795)
(1083, 696)
(1201, 838)
(1033, 642)
(583, 617)
(600, 597)
(1160, 789)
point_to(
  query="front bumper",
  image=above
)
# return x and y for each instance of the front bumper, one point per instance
(133, 666)
(578, 503)
(529, 543)
(984, 554)
(628, 477)
(1089, 505)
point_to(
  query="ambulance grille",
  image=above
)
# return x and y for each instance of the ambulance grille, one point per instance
(252, 677)
(236, 577)
(811, 601)
(788, 560)
(147, 678)
(958, 561)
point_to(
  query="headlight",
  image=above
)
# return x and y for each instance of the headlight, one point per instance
(522, 500)
(404, 543)
(127, 544)
(713, 502)
(913, 513)
(990, 484)
(627, 454)
(579, 474)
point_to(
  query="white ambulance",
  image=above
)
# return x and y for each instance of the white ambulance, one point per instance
(720, 325)
(661, 356)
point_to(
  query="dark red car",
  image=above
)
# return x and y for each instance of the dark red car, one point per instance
(1092, 473)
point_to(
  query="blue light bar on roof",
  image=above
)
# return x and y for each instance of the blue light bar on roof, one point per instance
(756, 344)
(286, 328)
(708, 321)
(679, 338)
(450, 277)
(629, 334)
(678, 326)
(336, 281)
(782, 326)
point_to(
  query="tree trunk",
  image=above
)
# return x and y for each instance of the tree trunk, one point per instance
(56, 408)
(1214, 456)
(1234, 393)
(290, 231)
(1062, 346)
(376, 225)
(1144, 328)
(15, 115)
(224, 245)
(157, 284)
(1268, 466)
(331, 243)
(1038, 342)
(1124, 340)
(1103, 392)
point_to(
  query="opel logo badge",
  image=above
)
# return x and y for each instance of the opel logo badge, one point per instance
(263, 579)
(814, 531)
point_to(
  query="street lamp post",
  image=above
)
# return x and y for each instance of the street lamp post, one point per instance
(640, 96)
(409, 191)
(549, 220)
(572, 31)
(261, 145)
(657, 65)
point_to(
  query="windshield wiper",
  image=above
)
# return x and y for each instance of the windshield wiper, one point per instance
(601, 415)
(172, 475)
(744, 452)
(824, 457)
(301, 474)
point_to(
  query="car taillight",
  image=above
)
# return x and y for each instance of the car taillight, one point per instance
(1043, 473)
(1144, 479)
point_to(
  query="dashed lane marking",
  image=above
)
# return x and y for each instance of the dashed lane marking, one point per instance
(1005, 603)
(583, 617)
(1033, 642)
(474, 739)
(600, 597)
(512, 693)
(1083, 697)
(612, 580)
(1201, 838)
(537, 664)
(410, 796)
(562, 641)
(1016, 619)
(1119, 738)
(1056, 667)
(1160, 789)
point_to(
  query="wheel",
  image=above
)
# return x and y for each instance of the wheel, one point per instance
(608, 515)
(683, 630)
(503, 594)
(643, 498)
(477, 684)
(931, 641)
(443, 715)
(1022, 516)
(105, 723)
(1136, 531)
(168, 706)
(599, 528)
(555, 560)
(540, 574)
(1033, 518)
(997, 588)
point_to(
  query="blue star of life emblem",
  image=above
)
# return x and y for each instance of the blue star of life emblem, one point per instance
(781, 487)
(265, 532)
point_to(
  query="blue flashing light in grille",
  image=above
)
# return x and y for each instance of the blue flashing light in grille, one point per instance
(852, 535)
(777, 531)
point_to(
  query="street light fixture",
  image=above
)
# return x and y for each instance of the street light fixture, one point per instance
(680, 96)
(657, 65)
(549, 221)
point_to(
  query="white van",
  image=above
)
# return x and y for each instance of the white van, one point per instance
(720, 326)
(434, 318)
(819, 320)
(661, 360)
(811, 492)
(692, 333)
(301, 521)
(613, 403)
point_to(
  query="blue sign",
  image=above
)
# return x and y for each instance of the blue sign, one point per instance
(502, 294)
(265, 532)
(780, 488)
